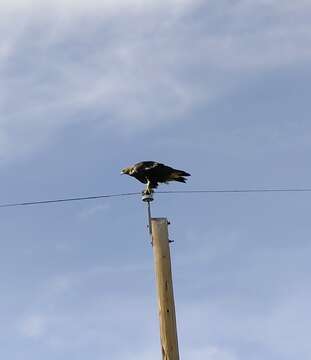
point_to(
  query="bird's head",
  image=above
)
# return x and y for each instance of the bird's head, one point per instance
(126, 171)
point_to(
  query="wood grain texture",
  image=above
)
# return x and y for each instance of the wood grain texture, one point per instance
(166, 305)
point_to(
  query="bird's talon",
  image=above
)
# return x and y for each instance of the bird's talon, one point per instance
(148, 192)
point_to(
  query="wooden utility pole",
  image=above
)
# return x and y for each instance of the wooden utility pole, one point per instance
(166, 305)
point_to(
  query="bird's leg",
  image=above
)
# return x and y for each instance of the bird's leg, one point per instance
(148, 190)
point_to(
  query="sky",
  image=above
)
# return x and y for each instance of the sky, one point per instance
(217, 88)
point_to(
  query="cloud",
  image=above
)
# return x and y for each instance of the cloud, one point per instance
(133, 65)
(52, 71)
(76, 6)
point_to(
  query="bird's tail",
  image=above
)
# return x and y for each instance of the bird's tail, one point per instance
(181, 173)
(180, 179)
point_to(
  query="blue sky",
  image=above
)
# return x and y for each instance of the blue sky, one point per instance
(220, 89)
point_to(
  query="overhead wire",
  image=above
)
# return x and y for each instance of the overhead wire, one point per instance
(208, 191)
(232, 191)
(41, 202)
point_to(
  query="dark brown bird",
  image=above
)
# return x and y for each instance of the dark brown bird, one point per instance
(153, 173)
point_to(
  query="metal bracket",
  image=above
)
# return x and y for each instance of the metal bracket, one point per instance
(148, 197)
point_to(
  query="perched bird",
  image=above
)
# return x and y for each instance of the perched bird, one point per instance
(152, 173)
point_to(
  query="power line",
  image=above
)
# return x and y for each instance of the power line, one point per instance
(211, 191)
(232, 191)
(66, 200)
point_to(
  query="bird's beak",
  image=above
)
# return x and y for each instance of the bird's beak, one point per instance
(122, 172)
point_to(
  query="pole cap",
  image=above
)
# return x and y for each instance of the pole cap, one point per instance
(147, 197)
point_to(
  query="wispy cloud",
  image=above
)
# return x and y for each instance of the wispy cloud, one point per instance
(133, 64)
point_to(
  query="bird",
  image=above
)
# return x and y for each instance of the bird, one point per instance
(152, 173)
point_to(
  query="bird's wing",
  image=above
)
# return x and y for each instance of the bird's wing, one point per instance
(146, 165)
